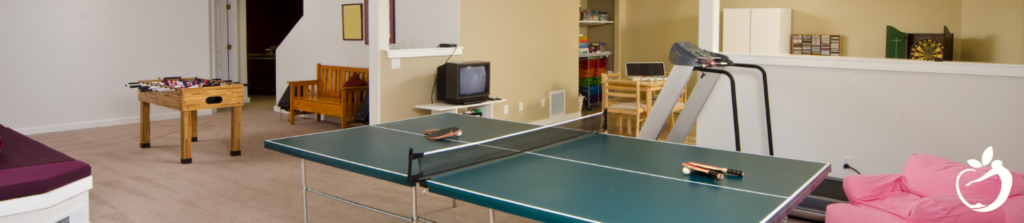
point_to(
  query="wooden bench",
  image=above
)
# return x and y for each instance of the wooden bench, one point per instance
(327, 95)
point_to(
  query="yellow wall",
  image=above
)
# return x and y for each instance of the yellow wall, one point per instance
(992, 31)
(531, 47)
(653, 25)
(862, 23)
(650, 27)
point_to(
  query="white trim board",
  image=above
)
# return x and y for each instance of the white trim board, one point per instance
(45, 200)
(326, 118)
(103, 123)
(425, 52)
(879, 64)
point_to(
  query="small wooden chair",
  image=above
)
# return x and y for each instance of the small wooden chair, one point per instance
(623, 97)
(327, 95)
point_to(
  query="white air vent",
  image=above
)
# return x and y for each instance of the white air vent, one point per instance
(557, 99)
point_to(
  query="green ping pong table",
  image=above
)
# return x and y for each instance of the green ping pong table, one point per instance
(592, 178)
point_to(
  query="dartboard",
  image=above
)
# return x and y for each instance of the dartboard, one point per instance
(927, 49)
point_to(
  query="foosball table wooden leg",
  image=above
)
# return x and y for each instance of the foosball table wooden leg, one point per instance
(144, 125)
(317, 117)
(195, 125)
(186, 137)
(236, 130)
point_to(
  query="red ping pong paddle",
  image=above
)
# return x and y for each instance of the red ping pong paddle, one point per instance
(713, 174)
(436, 134)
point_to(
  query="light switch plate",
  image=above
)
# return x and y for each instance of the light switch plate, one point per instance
(506, 109)
(542, 103)
(396, 63)
(520, 106)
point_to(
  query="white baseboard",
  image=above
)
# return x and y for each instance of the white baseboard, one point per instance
(327, 118)
(558, 118)
(103, 123)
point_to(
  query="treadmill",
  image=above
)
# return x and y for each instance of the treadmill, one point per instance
(686, 58)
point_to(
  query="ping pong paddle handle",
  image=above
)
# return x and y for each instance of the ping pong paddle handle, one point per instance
(714, 174)
(734, 172)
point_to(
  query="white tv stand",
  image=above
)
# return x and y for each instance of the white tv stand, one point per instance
(485, 107)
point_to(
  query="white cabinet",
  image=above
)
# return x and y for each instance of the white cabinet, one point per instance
(761, 30)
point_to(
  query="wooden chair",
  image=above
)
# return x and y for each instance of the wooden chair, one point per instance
(625, 100)
(327, 95)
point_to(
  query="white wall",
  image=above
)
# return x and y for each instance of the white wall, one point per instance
(63, 64)
(316, 38)
(427, 23)
(877, 111)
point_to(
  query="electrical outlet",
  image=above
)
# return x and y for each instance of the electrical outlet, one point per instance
(396, 63)
(847, 160)
(542, 103)
(520, 106)
(506, 109)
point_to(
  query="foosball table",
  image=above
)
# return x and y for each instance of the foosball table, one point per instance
(189, 95)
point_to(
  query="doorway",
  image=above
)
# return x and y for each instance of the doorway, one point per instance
(268, 22)
(225, 30)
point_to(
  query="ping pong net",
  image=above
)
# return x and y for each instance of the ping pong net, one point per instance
(444, 160)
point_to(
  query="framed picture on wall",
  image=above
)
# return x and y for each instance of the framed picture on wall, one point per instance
(352, 21)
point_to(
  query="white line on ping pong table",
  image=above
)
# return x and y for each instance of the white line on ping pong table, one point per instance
(336, 130)
(514, 202)
(795, 193)
(339, 159)
(594, 164)
(506, 136)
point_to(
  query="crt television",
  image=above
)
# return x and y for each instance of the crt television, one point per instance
(465, 82)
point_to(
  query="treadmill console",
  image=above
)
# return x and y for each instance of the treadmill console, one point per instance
(687, 54)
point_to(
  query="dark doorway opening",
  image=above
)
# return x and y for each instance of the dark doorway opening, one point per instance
(267, 24)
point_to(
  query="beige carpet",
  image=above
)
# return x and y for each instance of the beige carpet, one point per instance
(150, 185)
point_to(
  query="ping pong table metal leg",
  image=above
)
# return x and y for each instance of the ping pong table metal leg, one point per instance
(414, 187)
(302, 166)
(305, 213)
(491, 213)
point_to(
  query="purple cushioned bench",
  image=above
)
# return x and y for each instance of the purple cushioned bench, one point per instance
(28, 167)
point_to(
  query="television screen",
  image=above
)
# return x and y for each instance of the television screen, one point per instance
(472, 80)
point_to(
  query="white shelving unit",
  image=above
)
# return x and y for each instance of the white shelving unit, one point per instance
(758, 31)
(487, 107)
(601, 54)
(595, 23)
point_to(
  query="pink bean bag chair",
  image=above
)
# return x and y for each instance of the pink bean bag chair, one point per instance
(927, 192)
